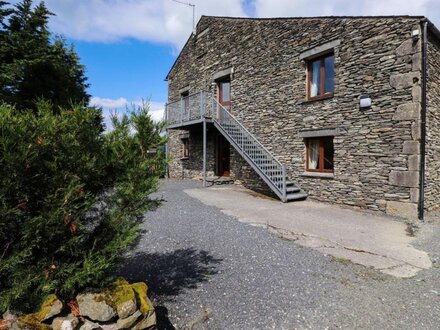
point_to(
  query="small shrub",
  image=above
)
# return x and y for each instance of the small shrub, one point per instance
(71, 197)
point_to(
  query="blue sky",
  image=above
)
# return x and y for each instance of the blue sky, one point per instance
(128, 46)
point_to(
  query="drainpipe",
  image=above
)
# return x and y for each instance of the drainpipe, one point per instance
(421, 206)
(167, 169)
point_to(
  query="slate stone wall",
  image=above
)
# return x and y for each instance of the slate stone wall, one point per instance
(432, 189)
(180, 168)
(377, 149)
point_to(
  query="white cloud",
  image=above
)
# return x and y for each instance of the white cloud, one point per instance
(120, 105)
(161, 21)
(109, 103)
(298, 8)
(166, 21)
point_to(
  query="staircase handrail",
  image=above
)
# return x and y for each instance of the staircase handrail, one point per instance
(258, 143)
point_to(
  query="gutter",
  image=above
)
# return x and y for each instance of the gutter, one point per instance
(421, 205)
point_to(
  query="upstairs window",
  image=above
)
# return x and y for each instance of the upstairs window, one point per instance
(321, 76)
(185, 99)
(319, 154)
(224, 92)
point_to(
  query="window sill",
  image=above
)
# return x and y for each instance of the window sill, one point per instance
(184, 158)
(321, 175)
(317, 99)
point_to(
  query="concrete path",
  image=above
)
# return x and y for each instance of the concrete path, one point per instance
(370, 240)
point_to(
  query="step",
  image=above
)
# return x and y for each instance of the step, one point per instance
(272, 172)
(267, 164)
(253, 150)
(296, 196)
(271, 168)
(291, 190)
(277, 177)
(263, 165)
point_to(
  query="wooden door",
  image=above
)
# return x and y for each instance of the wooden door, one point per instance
(224, 93)
(223, 160)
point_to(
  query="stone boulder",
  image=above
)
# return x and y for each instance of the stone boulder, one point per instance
(65, 323)
(89, 325)
(147, 322)
(51, 307)
(122, 297)
(129, 321)
(141, 292)
(95, 307)
(122, 306)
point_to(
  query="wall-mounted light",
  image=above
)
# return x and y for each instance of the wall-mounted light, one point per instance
(415, 35)
(364, 102)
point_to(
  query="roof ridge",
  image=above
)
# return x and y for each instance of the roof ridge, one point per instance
(316, 17)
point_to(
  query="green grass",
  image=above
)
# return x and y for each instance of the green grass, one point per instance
(341, 260)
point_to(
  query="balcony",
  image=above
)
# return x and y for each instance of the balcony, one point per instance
(190, 110)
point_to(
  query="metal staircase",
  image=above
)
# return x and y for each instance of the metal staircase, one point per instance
(258, 157)
(204, 106)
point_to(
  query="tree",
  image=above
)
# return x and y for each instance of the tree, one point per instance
(71, 198)
(31, 65)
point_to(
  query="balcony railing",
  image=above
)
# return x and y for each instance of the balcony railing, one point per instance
(189, 109)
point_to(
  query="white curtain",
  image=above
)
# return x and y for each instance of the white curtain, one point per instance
(315, 79)
(313, 154)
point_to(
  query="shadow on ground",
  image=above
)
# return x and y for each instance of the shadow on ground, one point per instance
(167, 274)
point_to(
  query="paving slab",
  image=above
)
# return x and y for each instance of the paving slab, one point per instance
(371, 240)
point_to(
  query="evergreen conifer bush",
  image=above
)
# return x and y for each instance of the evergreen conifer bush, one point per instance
(71, 197)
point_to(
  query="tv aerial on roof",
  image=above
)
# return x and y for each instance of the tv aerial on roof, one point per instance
(193, 9)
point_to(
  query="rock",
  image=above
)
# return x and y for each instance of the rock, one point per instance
(147, 322)
(95, 307)
(407, 111)
(122, 297)
(9, 318)
(413, 162)
(51, 307)
(408, 179)
(65, 323)
(112, 326)
(411, 148)
(140, 289)
(28, 324)
(404, 80)
(4, 325)
(126, 308)
(129, 321)
(89, 325)
(31, 321)
(408, 47)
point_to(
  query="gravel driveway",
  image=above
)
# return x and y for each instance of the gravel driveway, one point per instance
(206, 270)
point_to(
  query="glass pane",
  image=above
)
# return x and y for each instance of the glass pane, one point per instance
(328, 153)
(315, 84)
(329, 63)
(313, 148)
(226, 91)
(185, 99)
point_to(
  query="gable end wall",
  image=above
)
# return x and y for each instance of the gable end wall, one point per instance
(432, 182)
(377, 150)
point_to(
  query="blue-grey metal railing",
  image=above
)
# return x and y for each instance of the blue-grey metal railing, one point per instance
(261, 159)
(203, 104)
(189, 108)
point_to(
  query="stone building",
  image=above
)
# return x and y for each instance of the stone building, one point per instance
(339, 109)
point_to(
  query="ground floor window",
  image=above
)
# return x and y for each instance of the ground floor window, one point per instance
(185, 148)
(320, 153)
